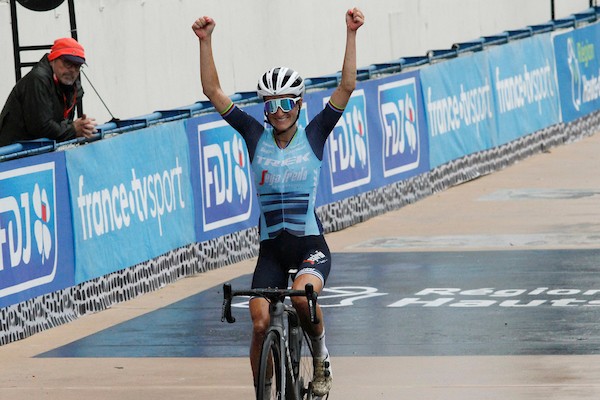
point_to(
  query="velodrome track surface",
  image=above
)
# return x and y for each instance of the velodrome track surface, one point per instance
(485, 291)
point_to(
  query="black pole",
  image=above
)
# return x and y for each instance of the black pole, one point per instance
(72, 19)
(15, 35)
(552, 10)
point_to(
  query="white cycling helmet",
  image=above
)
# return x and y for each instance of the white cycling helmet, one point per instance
(280, 80)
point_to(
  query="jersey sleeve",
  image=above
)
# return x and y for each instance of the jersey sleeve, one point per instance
(321, 126)
(246, 125)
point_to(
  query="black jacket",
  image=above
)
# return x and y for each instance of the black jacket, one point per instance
(36, 105)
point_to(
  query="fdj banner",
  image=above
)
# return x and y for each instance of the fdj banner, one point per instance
(36, 254)
(400, 114)
(347, 147)
(222, 179)
(578, 71)
(381, 137)
(525, 89)
(459, 104)
(139, 208)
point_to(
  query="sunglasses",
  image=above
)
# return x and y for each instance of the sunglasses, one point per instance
(286, 104)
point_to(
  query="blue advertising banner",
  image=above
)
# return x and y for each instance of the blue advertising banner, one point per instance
(224, 194)
(36, 239)
(137, 209)
(525, 88)
(404, 141)
(347, 147)
(459, 106)
(578, 71)
(380, 139)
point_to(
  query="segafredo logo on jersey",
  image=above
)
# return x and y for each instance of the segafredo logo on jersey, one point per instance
(400, 127)
(28, 237)
(225, 175)
(348, 146)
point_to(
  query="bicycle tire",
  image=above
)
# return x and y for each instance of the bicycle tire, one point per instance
(269, 369)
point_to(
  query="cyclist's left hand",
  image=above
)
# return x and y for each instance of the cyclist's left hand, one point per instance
(354, 19)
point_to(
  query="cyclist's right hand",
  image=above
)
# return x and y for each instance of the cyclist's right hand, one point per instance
(203, 27)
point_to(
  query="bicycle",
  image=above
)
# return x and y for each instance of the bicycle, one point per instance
(286, 360)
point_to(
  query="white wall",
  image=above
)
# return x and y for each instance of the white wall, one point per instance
(143, 56)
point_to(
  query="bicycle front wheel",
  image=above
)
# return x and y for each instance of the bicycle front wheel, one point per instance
(269, 369)
(306, 368)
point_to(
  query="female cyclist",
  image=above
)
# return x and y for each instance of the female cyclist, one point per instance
(286, 162)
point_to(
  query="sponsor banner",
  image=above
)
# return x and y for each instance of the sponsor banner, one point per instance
(401, 133)
(36, 240)
(578, 71)
(138, 208)
(524, 87)
(347, 148)
(224, 194)
(459, 106)
(380, 139)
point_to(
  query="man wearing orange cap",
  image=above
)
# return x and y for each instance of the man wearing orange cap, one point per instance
(42, 104)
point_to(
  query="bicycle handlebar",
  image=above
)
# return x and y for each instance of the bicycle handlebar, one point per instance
(271, 295)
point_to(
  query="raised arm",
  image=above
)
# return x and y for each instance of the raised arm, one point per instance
(354, 20)
(211, 87)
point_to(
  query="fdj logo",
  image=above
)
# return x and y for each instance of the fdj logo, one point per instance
(28, 235)
(348, 147)
(399, 124)
(225, 175)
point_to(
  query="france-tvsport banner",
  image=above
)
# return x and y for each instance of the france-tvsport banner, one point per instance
(36, 239)
(578, 71)
(131, 199)
(459, 106)
(524, 85)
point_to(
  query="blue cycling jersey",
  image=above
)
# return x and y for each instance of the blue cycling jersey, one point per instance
(286, 179)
